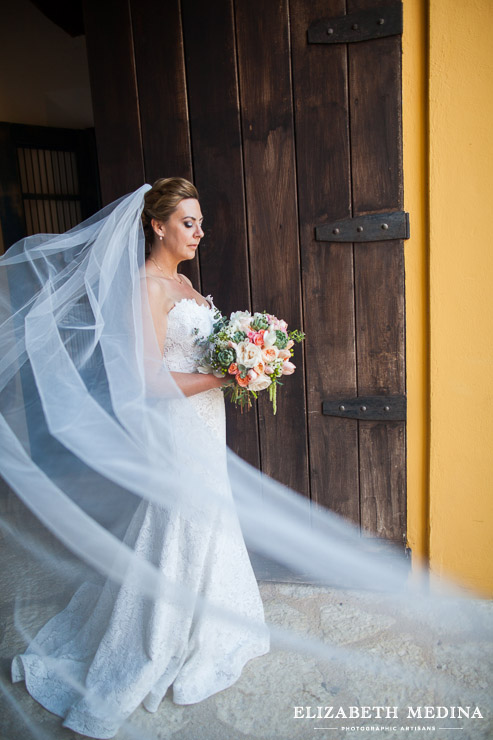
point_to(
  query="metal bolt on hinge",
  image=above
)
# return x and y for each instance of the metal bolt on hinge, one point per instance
(358, 25)
(372, 227)
(374, 408)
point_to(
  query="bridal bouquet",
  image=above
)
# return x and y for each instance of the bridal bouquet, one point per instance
(254, 350)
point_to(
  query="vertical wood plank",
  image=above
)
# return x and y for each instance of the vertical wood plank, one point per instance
(267, 123)
(217, 157)
(383, 466)
(114, 94)
(87, 168)
(160, 65)
(324, 192)
(12, 216)
(376, 152)
(161, 75)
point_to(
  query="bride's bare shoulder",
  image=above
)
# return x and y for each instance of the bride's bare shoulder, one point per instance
(158, 292)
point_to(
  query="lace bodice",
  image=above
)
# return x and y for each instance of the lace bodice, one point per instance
(187, 321)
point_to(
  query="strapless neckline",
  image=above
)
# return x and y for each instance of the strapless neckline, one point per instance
(208, 298)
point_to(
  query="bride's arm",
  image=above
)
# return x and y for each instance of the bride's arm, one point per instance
(160, 305)
(191, 383)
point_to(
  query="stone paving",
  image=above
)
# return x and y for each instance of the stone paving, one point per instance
(260, 705)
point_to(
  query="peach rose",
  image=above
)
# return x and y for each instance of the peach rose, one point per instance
(284, 354)
(259, 338)
(256, 337)
(269, 354)
(259, 368)
(233, 369)
(243, 382)
(288, 368)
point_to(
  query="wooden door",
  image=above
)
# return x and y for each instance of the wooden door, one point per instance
(281, 136)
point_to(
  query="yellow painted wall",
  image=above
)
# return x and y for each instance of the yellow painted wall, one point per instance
(448, 181)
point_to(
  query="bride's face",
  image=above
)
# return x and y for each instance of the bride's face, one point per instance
(182, 232)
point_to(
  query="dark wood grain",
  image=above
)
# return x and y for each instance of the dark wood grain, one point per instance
(217, 157)
(160, 65)
(163, 104)
(383, 479)
(379, 276)
(375, 107)
(322, 147)
(268, 139)
(114, 95)
(376, 154)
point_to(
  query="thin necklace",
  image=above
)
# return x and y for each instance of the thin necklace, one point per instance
(170, 277)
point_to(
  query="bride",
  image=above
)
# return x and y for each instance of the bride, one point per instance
(124, 539)
(113, 648)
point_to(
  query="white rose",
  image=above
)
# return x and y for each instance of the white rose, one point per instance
(248, 354)
(260, 383)
(237, 320)
(270, 338)
(237, 316)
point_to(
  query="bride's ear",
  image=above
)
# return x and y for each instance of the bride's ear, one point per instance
(158, 228)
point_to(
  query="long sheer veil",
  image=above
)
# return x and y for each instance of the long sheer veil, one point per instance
(93, 424)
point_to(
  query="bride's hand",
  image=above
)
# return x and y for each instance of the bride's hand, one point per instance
(223, 380)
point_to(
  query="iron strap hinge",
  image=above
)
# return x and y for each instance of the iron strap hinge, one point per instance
(371, 408)
(374, 227)
(362, 25)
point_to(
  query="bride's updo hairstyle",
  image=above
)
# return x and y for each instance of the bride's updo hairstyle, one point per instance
(162, 200)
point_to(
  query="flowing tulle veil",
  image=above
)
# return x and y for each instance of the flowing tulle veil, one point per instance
(89, 430)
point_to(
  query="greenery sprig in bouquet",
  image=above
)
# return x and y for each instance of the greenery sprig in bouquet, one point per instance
(255, 350)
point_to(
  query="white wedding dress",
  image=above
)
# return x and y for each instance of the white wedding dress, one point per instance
(125, 650)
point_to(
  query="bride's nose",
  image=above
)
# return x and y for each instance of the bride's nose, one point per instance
(198, 231)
